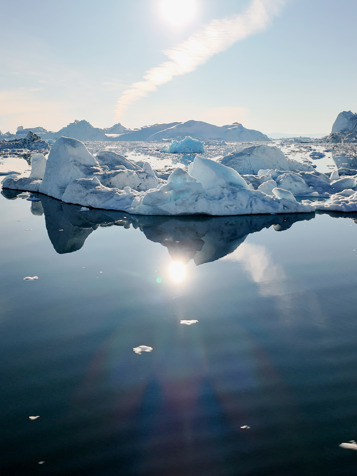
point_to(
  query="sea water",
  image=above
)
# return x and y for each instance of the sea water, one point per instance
(261, 382)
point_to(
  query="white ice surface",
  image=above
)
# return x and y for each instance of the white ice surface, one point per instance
(38, 166)
(113, 160)
(267, 187)
(282, 194)
(294, 183)
(259, 157)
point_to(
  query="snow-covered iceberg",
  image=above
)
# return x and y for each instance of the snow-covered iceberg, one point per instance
(109, 181)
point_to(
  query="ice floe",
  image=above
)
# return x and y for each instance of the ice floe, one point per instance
(351, 445)
(142, 348)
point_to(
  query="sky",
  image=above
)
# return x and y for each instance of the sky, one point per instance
(278, 66)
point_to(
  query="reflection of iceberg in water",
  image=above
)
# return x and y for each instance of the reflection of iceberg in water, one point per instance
(204, 239)
(10, 194)
(351, 216)
(68, 227)
(200, 238)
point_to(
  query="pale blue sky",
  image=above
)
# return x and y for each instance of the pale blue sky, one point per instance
(74, 59)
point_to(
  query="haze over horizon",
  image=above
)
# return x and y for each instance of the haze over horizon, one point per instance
(278, 66)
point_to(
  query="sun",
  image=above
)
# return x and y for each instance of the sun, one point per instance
(178, 13)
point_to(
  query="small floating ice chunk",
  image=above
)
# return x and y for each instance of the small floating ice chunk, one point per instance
(84, 209)
(186, 322)
(142, 348)
(32, 418)
(30, 278)
(41, 462)
(245, 427)
(351, 445)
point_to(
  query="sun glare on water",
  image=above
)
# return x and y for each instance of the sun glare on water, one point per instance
(177, 271)
(178, 13)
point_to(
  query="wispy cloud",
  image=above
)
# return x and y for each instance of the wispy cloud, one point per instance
(216, 37)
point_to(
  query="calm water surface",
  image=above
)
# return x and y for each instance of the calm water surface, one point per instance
(265, 382)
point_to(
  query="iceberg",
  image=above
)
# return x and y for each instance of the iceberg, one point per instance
(68, 160)
(30, 142)
(186, 146)
(109, 181)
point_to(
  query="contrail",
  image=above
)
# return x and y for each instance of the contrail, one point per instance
(216, 37)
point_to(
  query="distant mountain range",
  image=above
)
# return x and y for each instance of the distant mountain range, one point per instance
(84, 131)
(343, 129)
(202, 130)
